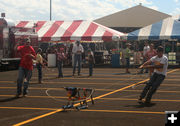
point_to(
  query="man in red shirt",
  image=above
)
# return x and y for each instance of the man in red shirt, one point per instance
(26, 53)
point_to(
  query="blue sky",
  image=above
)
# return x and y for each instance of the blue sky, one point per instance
(79, 9)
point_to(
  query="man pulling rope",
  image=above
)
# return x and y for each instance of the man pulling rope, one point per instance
(160, 62)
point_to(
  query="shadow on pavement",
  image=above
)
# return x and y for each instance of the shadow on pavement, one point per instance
(141, 105)
(121, 73)
(9, 99)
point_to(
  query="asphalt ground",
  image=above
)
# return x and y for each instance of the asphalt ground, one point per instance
(115, 99)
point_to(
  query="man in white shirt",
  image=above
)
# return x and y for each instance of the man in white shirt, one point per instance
(160, 64)
(77, 51)
(145, 50)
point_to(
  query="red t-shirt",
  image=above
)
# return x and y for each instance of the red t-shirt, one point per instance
(26, 60)
(150, 54)
(60, 56)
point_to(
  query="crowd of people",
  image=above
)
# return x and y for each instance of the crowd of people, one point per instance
(28, 56)
(154, 61)
(147, 53)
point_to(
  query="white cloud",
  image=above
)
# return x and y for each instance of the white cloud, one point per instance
(82, 9)
(130, 3)
(61, 9)
(24, 10)
(154, 7)
(176, 11)
(66, 9)
(11, 13)
(176, 1)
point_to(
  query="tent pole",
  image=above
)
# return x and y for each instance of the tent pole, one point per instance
(50, 9)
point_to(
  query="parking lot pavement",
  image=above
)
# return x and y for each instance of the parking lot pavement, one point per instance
(115, 99)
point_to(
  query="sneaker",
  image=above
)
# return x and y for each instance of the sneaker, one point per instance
(24, 95)
(18, 95)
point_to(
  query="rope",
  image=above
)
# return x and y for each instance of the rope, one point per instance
(74, 101)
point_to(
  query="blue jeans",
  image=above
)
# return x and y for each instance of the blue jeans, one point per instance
(127, 62)
(90, 69)
(23, 73)
(59, 65)
(77, 59)
(151, 86)
(39, 68)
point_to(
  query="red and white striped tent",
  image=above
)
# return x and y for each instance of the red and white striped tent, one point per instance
(71, 30)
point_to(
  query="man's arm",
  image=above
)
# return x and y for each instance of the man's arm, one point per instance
(17, 49)
(147, 65)
(32, 56)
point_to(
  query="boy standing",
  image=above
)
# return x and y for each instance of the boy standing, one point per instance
(91, 62)
(39, 64)
(60, 58)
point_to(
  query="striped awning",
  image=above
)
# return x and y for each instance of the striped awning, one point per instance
(71, 30)
(23, 31)
(168, 28)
